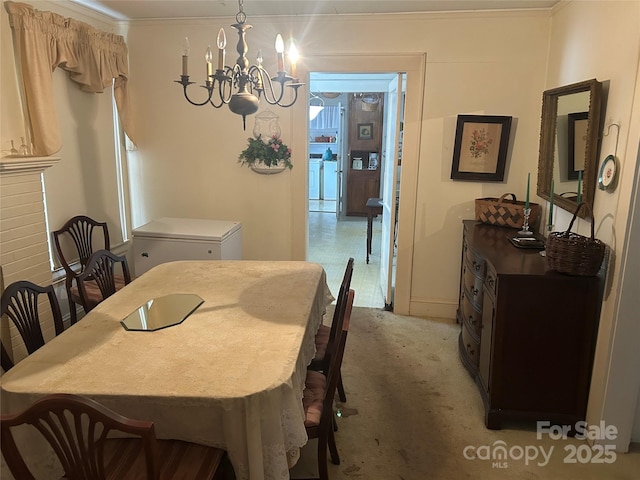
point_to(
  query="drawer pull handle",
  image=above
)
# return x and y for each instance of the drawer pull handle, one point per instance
(145, 254)
(476, 266)
(469, 349)
(472, 320)
(475, 291)
(490, 281)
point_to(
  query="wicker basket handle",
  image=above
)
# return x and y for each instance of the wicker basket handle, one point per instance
(513, 196)
(590, 212)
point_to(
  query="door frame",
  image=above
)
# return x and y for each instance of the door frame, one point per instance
(393, 118)
(414, 66)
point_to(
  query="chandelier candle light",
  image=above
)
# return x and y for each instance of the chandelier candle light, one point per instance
(242, 85)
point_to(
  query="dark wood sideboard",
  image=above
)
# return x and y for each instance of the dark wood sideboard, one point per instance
(527, 333)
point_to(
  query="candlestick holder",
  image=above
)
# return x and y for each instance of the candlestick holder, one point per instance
(525, 232)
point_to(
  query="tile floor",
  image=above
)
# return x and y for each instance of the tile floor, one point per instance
(332, 242)
(322, 205)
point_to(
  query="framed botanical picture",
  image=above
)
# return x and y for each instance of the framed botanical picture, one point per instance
(365, 131)
(480, 149)
(577, 141)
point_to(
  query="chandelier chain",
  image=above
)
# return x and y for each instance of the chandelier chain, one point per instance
(241, 17)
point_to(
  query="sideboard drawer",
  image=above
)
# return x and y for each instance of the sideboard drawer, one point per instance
(470, 316)
(491, 282)
(473, 285)
(471, 346)
(476, 263)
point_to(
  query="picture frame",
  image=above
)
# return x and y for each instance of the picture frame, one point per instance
(577, 124)
(480, 148)
(365, 131)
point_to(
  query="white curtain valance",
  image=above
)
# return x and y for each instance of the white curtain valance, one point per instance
(94, 59)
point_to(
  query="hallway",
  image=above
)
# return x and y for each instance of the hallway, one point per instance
(331, 243)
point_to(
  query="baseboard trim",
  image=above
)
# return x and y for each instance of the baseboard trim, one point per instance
(433, 309)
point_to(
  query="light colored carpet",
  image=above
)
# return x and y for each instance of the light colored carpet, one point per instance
(412, 409)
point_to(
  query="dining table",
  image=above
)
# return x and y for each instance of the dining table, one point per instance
(230, 373)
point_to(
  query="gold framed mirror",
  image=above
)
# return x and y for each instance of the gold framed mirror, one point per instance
(569, 136)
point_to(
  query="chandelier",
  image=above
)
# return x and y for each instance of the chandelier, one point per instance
(242, 85)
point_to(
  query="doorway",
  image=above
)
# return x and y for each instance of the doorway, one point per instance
(414, 67)
(335, 232)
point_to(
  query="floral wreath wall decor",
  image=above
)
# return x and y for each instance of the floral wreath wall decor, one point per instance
(273, 155)
(266, 153)
(480, 149)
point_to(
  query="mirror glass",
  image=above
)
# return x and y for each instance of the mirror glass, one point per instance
(162, 312)
(568, 161)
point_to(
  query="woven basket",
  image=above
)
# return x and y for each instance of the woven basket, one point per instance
(506, 213)
(575, 254)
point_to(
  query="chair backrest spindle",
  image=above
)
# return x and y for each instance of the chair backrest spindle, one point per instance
(81, 230)
(76, 428)
(101, 269)
(19, 302)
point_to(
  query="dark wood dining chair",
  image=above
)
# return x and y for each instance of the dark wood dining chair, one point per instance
(326, 336)
(88, 235)
(81, 433)
(19, 302)
(319, 395)
(5, 359)
(99, 281)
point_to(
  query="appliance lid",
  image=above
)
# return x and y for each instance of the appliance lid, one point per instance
(187, 228)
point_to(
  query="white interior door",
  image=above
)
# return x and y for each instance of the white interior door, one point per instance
(339, 164)
(393, 117)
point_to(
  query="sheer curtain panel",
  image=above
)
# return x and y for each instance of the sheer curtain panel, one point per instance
(329, 117)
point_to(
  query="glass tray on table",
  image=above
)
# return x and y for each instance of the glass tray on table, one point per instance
(162, 312)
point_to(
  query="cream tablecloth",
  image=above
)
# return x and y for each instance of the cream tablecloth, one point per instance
(231, 375)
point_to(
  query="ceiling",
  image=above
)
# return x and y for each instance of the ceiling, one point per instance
(158, 9)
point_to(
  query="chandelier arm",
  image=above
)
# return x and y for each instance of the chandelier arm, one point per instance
(184, 81)
(256, 80)
(295, 87)
(222, 102)
(234, 72)
(225, 89)
(224, 83)
(266, 84)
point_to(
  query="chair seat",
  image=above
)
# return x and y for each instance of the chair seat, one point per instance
(312, 398)
(124, 460)
(93, 291)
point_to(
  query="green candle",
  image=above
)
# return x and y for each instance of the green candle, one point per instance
(526, 206)
(551, 205)
(579, 186)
